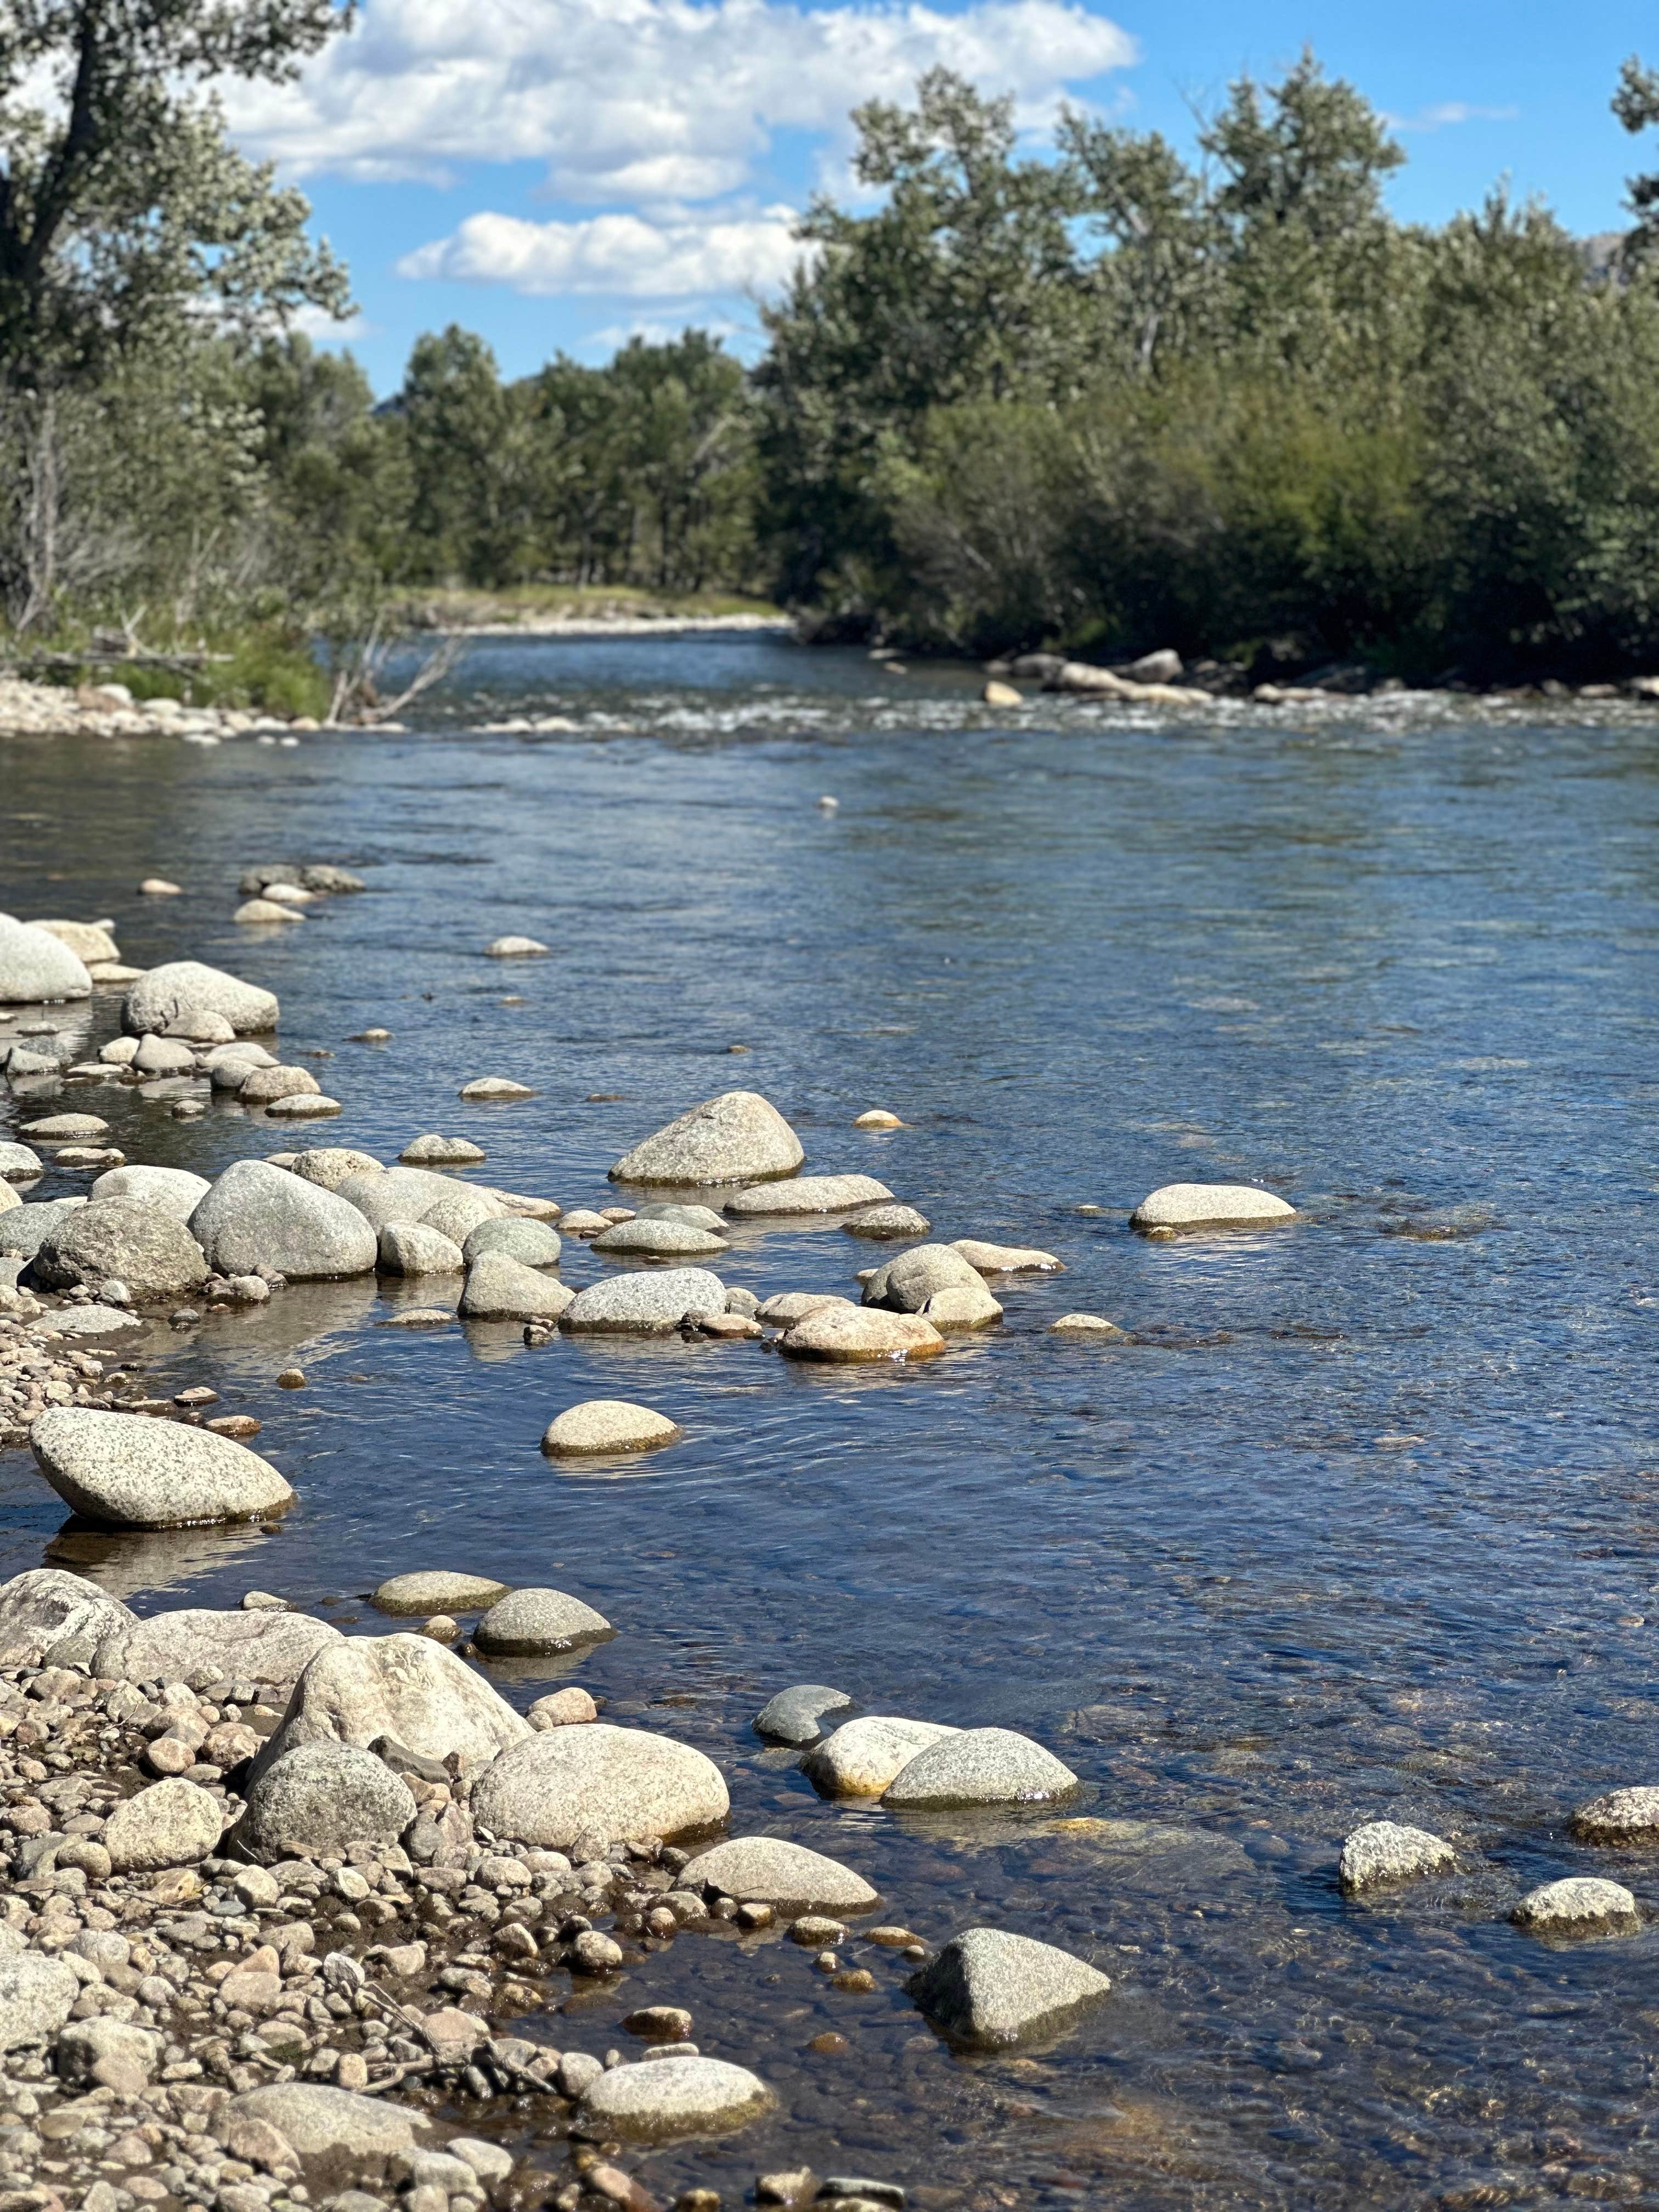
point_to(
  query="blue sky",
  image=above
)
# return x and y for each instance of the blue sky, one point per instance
(556, 173)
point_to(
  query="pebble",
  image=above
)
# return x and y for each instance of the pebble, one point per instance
(738, 1138)
(1383, 1851)
(659, 2023)
(608, 1425)
(443, 1628)
(1210, 1206)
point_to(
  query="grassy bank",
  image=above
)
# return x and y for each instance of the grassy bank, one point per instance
(533, 607)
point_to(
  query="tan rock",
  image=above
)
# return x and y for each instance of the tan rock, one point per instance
(860, 1332)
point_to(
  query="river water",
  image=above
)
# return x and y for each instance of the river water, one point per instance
(1362, 1524)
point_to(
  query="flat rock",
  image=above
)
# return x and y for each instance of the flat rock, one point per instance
(258, 1646)
(330, 1165)
(643, 1304)
(962, 1307)
(796, 1715)
(405, 1687)
(338, 2137)
(502, 1289)
(988, 1988)
(495, 1088)
(67, 1130)
(171, 1824)
(85, 940)
(905, 1283)
(37, 1995)
(130, 1472)
(1621, 1816)
(1383, 1851)
(687, 1215)
(256, 1215)
(514, 948)
(44, 1605)
(300, 1106)
(853, 1332)
(179, 986)
(582, 1221)
(1210, 1206)
(160, 1055)
(320, 1797)
(660, 1240)
(664, 2100)
(864, 1758)
(36, 967)
(531, 1243)
(86, 1321)
(18, 1164)
(980, 1766)
(739, 1137)
(436, 1590)
(113, 1240)
(251, 912)
(527, 1622)
(434, 1150)
(888, 1221)
(608, 1425)
(600, 1781)
(1006, 1259)
(1094, 1327)
(766, 1870)
(835, 1193)
(1582, 1904)
(409, 1248)
(169, 1190)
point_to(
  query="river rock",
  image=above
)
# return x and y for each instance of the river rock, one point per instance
(739, 1137)
(660, 1240)
(130, 1472)
(330, 1165)
(171, 1824)
(67, 1130)
(111, 1240)
(85, 940)
(434, 1150)
(989, 1989)
(835, 1193)
(461, 1210)
(962, 1307)
(600, 1781)
(263, 1087)
(18, 1164)
(766, 1870)
(1094, 1328)
(409, 1248)
(160, 1055)
(256, 1215)
(299, 1105)
(1582, 1904)
(795, 1715)
(644, 1304)
(393, 1194)
(888, 1221)
(665, 1209)
(170, 1190)
(608, 1425)
(86, 1321)
(25, 1228)
(434, 1590)
(864, 1758)
(37, 1995)
(846, 1333)
(263, 1645)
(1210, 1206)
(405, 1687)
(500, 1289)
(1383, 1852)
(527, 1622)
(254, 911)
(514, 948)
(181, 986)
(788, 1307)
(905, 1283)
(106, 2053)
(571, 1707)
(320, 1797)
(662, 2100)
(531, 1243)
(36, 967)
(339, 2138)
(44, 1605)
(1008, 1259)
(495, 1089)
(1622, 1816)
(980, 1766)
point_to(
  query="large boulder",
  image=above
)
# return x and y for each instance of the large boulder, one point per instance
(44, 1605)
(988, 1988)
(643, 1304)
(407, 1687)
(409, 1248)
(500, 1289)
(18, 1164)
(171, 1824)
(1210, 1206)
(35, 966)
(810, 1195)
(597, 1781)
(85, 940)
(766, 1870)
(37, 1995)
(383, 1195)
(256, 1215)
(320, 1797)
(980, 1766)
(110, 1241)
(178, 986)
(739, 1137)
(170, 1190)
(864, 1756)
(131, 1472)
(263, 1646)
(340, 2139)
(24, 1229)
(662, 2100)
(528, 1622)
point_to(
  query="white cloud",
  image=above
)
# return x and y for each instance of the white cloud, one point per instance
(641, 99)
(674, 256)
(1447, 114)
(317, 323)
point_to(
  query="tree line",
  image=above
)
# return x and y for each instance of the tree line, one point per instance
(1105, 398)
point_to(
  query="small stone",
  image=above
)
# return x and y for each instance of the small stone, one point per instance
(238, 1427)
(1622, 1816)
(888, 1221)
(291, 1378)
(795, 1715)
(495, 1087)
(302, 1106)
(997, 694)
(251, 912)
(514, 948)
(171, 1824)
(159, 887)
(989, 1989)
(660, 2024)
(767, 1870)
(532, 1621)
(265, 1086)
(608, 1425)
(1383, 1852)
(435, 1151)
(1210, 1206)
(443, 1628)
(1094, 1327)
(877, 1117)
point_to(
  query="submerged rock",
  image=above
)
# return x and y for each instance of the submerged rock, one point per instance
(526, 1622)
(434, 1150)
(1582, 1904)
(514, 948)
(795, 1715)
(179, 986)
(1210, 1206)
(888, 1221)
(1621, 1816)
(809, 1194)
(980, 1766)
(766, 1870)
(130, 1471)
(989, 1989)
(599, 1781)
(663, 2100)
(437, 1591)
(1383, 1852)
(660, 1240)
(739, 1137)
(1094, 1327)
(608, 1425)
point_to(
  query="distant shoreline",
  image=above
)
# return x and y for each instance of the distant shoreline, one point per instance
(541, 626)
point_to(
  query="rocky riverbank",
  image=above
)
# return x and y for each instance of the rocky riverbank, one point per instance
(109, 710)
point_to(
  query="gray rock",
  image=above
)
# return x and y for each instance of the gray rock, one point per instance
(643, 1304)
(660, 1240)
(785, 1308)
(409, 1248)
(500, 1289)
(330, 1165)
(436, 1591)
(320, 1797)
(1093, 1328)
(159, 996)
(158, 1055)
(739, 1137)
(257, 1216)
(169, 1190)
(888, 1221)
(810, 1195)
(608, 1425)
(1008, 1259)
(263, 1087)
(111, 1240)
(458, 1211)
(85, 940)
(1622, 1816)
(130, 1471)
(86, 1321)
(35, 966)
(388, 1195)
(796, 1715)
(766, 1870)
(105, 2053)
(18, 1164)
(407, 1687)
(1210, 1206)
(261, 1646)
(663, 2103)
(961, 1307)
(906, 1283)
(45, 1605)
(980, 1766)
(171, 1824)
(1582, 1904)
(864, 1756)
(597, 1781)
(989, 1989)
(338, 2137)
(531, 1243)
(24, 1229)
(37, 1995)
(844, 1333)
(1388, 1852)
(529, 1621)
(692, 1216)
(436, 1151)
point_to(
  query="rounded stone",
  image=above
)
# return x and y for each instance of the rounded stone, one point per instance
(1383, 1851)
(409, 1248)
(434, 1150)
(300, 1106)
(1210, 1206)
(660, 1240)
(767, 1870)
(877, 1117)
(980, 1766)
(25, 1228)
(796, 1715)
(255, 1644)
(339, 2138)
(1008, 1259)
(85, 940)
(67, 1128)
(320, 1797)
(113, 1240)
(404, 1686)
(571, 1707)
(527, 1622)
(599, 1781)
(387, 1194)
(181, 986)
(643, 1304)
(44, 1605)
(169, 1190)
(862, 1758)
(849, 1333)
(330, 1165)
(36, 967)
(495, 1089)
(254, 911)
(37, 1995)
(664, 2101)
(608, 1425)
(962, 1306)
(459, 1210)
(130, 1471)
(514, 948)
(1093, 1327)
(888, 1221)
(1621, 1816)
(905, 1283)
(171, 1824)
(739, 1137)
(809, 1194)
(531, 1243)
(785, 1308)
(438, 1591)
(1582, 1904)
(988, 1988)
(18, 1164)
(256, 1215)
(263, 1087)
(500, 1289)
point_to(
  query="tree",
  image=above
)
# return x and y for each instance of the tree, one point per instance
(1636, 104)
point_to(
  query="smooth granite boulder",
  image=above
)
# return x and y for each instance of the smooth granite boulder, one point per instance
(599, 1781)
(989, 1989)
(643, 1304)
(531, 1243)
(845, 1334)
(980, 1766)
(407, 1687)
(864, 1756)
(608, 1425)
(179, 986)
(257, 1215)
(383, 1195)
(174, 1191)
(130, 1471)
(1210, 1206)
(36, 967)
(409, 1248)
(501, 1289)
(766, 1870)
(664, 2101)
(739, 1137)
(527, 1622)
(320, 1797)
(1384, 1851)
(44, 1605)
(437, 1590)
(809, 1194)
(263, 1646)
(907, 1282)
(112, 1241)
(342, 2141)
(796, 1715)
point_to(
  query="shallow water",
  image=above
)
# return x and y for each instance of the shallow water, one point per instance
(1362, 1528)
